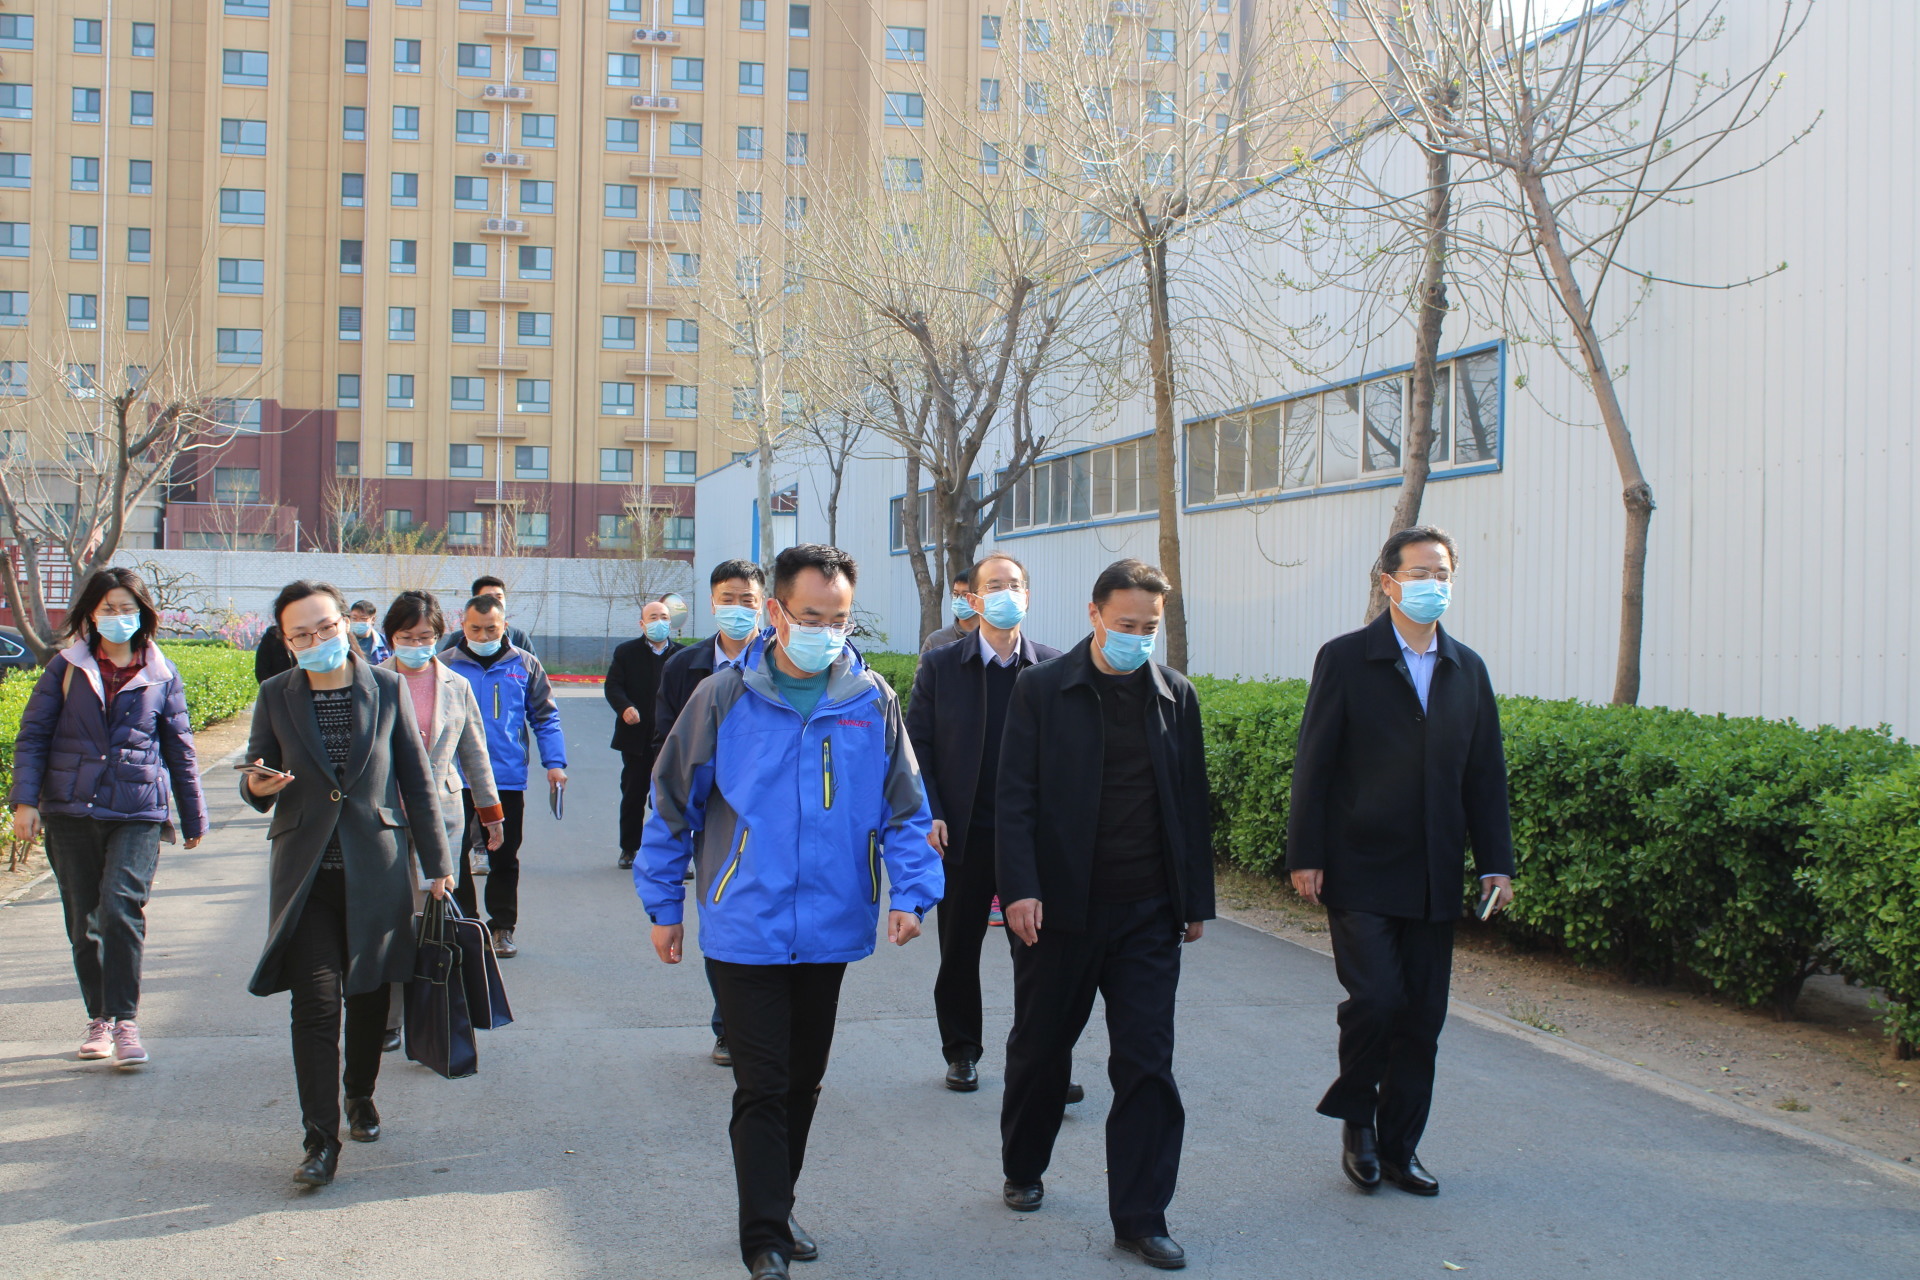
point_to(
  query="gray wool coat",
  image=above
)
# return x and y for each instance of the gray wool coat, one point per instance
(386, 765)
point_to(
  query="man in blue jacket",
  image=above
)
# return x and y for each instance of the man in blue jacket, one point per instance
(512, 689)
(789, 780)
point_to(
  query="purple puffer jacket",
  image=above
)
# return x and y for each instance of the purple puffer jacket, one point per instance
(68, 761)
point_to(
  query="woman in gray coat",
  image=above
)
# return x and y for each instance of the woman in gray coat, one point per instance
(336, 757)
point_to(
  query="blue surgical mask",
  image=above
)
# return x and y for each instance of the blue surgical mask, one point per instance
(1426, 600)
(325, 656)
(1005, 609)
(736, 621)
(484, 648)
(658, 631)
(1125, 652)
(814, 649)
(415, 655)
(362, 628)
(117, 628)
(961, 609)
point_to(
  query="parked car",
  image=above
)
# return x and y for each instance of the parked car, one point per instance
(13, 653)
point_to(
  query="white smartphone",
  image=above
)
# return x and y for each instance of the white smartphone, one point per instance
(261, 770)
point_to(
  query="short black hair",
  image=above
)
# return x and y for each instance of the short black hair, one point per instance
(832, 563)
(1130, 575)
(966, 576)
(409, 609)
(745, 570)
(973, 574)
(1389, 561)
(80, 614)
(299, 589)
(485, 580)
(363, 606)
(484, 604)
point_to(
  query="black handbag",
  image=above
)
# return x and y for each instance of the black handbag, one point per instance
(438, 1026)
(479, 970)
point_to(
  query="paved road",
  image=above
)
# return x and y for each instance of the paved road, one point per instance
(591, 1145)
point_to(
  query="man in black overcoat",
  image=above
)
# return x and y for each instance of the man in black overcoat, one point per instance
(633, 681)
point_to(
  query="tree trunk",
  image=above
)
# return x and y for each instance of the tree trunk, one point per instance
(1636, 494)
(764, 491)
(1432, 315)
(837, 468)
(1165, 451)
(911, 534)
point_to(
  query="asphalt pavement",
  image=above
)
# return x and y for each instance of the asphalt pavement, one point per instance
(592, 1144)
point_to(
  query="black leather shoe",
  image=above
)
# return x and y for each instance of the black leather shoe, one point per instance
(1410, 1176)
(963, 1076)
(1075, 1094)
(391, 1043)
(767, 1266)
(1023, 1197)
(317, 1169)
(1360, 1156)
(722, 1056)
(804, 1249)
(626, 862)
(1155, 1251)
(363, 1120)
(504, 946)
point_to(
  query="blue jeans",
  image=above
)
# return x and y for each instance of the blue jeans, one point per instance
(105, 870)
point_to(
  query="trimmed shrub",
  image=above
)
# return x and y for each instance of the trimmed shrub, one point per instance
(1252, 728)
(896, 668)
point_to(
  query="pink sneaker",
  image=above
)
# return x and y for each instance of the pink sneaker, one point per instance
(127, 1049)
(99, 1041)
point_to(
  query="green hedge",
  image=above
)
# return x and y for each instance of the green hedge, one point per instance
(897, 668)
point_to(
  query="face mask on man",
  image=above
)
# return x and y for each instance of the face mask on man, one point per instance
(414, 656)
(658, 630)
(1125, 652)
(1005, 609)
(484, 648)
(117, 628)
(1424, 601)
(736, 621)
(814, 649)
(961, 609)
(362, 628)
(325, 656)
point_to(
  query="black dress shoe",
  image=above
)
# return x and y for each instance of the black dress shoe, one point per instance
(963, 1076)
(722, 1056)
(1075, 1094)
(363, 1120)
(626, 862)
(804, 1249)
(1023, 1197)
(1360, 1156)
(392, 1041)
(317, 1169)
(1155, 1251)
(767, 1266)
(504, 946)
(1410, 1176)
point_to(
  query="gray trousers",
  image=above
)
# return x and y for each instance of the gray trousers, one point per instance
(105, 870)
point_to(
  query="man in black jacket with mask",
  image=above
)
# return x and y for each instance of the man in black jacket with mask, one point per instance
(1105, 865)
(632, 685)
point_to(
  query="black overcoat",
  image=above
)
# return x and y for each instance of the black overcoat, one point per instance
(633, 680)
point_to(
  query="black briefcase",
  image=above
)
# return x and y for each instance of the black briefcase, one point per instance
(439, 1030)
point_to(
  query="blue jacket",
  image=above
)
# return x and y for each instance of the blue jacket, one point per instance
(788, 821)
(75, 760)
(373, 648)
(513, 693)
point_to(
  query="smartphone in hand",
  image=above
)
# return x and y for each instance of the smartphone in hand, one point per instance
(261, 770)
(1486, 904)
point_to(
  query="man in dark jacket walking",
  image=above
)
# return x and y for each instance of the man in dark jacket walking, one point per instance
(1105, 864)
(633, 682)
(1399, 766)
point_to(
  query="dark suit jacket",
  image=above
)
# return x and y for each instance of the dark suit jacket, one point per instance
(1385, 796)
(386, 766)
(1048, 804)
(633, 680)
(947, 723)
(684, 671)
(271, 656)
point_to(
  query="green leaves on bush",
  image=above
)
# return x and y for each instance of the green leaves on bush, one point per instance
(896, 668)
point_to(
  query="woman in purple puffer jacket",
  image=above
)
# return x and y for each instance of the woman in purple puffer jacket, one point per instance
(103, 735)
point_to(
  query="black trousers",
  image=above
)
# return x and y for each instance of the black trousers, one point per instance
(636, 778)
(503, 875)
(780, 1028)
(963, 928)
(1397, 973)
(1130, 954)
(316, 970)
(105, 871)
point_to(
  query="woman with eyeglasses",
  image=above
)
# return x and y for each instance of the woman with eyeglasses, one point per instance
(104, 737)
(336, 756)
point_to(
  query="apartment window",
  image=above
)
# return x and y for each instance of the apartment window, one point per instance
(537, 131)
(614, 532)
(469, 259)
(683, 204)
(690, 13)
(904, 173)
(689, 73)
(623, 10)
(464, 527)
(16, 169)
(402, 256)
(406, 124)
(533, 395)
(346, 395)
(140, 107)
(403, 190)
(536, 196)
(247, 8)
(400, 324)
(243, 206)
(346, 453)
(467, 461)
(989, 158)
(683, 401)
(473, 60)
(539, 64)
(1039, 35)
(399, 396)
(797, 80)
(530, 528)
(678, 533)
(83, 173)
(753, 15)
(746, 208)
(683, 268)
(1223, 42)
(680, 465)
(236, 484)
(1160, 106)
(349, 328)
(238, 346)
(243, 137)
(796, 216)
(619, 266)
(1099, 42)
(138, 314)
(353, 123)
(616, 466)
(800, 20)
(86, 35)
(16, 101)
(139, 244)
(469, 326)
(1036, 99)
(406, 56)
(906, 109)
(617, 333)
(472, 126)
(356, 57)
(530, 462)
(1160, 44)
(534, 328)
(753, 77)
(746, 405)
(683, 335)
(989, 31)
(83, 311)
(1095, 228)
(989, 95)
(83, 243)
(400, 452)
(398, 519)
(243, 66)
(796, 148)
(536, 262)
(468, 193)
(245, 275)
(623, 135)
(16, 239)
(16, 31)
(906, 44)
(616, 399)
(139, 178)
(622, 200)
(748, 142)
(623, 70)
(13, 382)
(13, 308)
(683, 139)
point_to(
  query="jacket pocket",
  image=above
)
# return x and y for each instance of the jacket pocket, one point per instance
(873, 863)
(826, 773)
(284, 820)
(733, 865)
(390, 817)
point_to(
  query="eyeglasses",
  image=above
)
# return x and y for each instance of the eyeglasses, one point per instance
(307, 639)
(1423, 575)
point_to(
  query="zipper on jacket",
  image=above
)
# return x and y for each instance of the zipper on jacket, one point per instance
(873, 862)
(496, 701)
(739, 852)
(826, 773)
